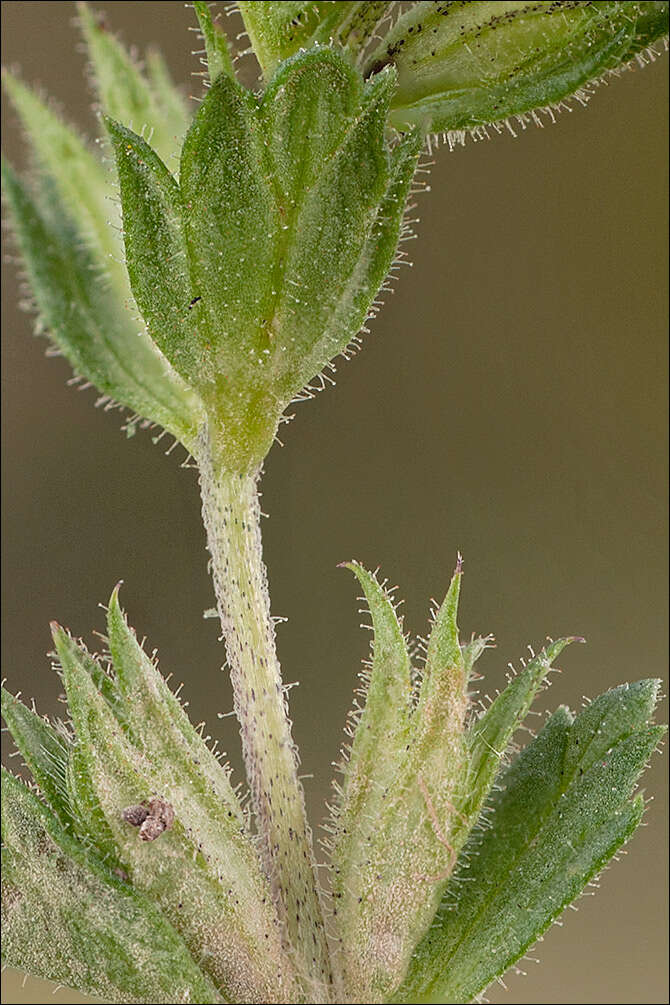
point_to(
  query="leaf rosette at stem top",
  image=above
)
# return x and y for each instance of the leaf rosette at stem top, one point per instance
(261, 263)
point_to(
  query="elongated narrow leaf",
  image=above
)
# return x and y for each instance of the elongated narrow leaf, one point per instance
(106, 683)
(370, 774)
(228, 923)
(81, 180)
(382, 725)
(388, 696)
(231, 225)
(358, 299)
(564, 808)
(321, 89)
(172, 105)
(156, 252)
(159, 726)
(327, 229)
(125, 93)
(393, 862)
(437, 751)
(216, 44)
(489, 735)
(85, 322)
(67, 918)
(444, 674)
(468, 65)
(45, 750)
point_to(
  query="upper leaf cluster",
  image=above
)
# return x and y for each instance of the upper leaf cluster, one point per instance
(261, 263)
(255, 246)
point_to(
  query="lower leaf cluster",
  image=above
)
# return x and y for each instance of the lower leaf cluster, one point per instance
(132, 872)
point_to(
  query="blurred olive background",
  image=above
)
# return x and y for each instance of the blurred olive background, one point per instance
(510, 404)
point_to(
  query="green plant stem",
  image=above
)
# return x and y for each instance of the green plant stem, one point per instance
(231, 515)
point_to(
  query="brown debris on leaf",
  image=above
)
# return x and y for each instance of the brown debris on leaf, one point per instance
(152, 817)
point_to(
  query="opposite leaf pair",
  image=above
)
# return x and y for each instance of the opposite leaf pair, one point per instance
(262, 262)
(251, 272)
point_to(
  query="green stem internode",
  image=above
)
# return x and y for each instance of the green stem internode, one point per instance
(231, 514)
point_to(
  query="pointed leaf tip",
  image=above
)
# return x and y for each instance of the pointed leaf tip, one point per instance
(126, 93)
(219, 59)
(45, 751)
(444, 650)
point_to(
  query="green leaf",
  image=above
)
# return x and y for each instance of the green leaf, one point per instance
(563, 810)
(69, 919)
(437, 752)
(156, 252)
(360, 23)
(358, 300)
(216, 43)
(125, 93)
(388, 695)
(85, 322)
(382, 723)
(609, 719)
(160, 728)
(45, 750)
(82, 183)
(231, 226)
(472, 650)
(445, 667)
(317, 95)
(394, 848)
(469, 65)
(106, 683)
(172, 105)
(278, 30)
(489, 735)
(324, 254)
(202, 872)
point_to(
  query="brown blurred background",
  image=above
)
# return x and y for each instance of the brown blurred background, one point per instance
(510, 403)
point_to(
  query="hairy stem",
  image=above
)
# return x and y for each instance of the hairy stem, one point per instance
(231, 515)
